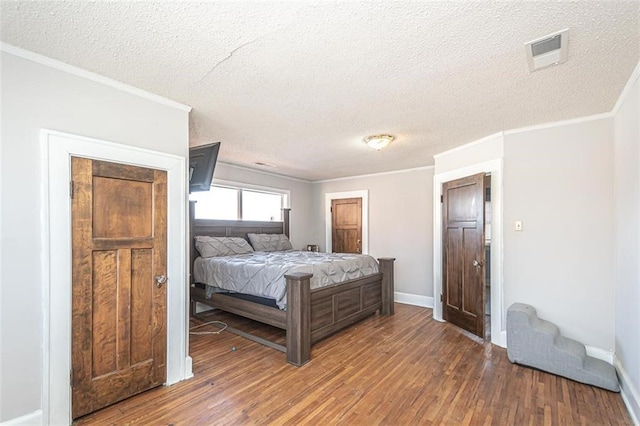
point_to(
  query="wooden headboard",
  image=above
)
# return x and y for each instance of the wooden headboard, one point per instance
(230, 228)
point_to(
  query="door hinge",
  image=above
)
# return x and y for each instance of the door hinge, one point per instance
(442, 198)
(441, 298)
(71, 377)
(330, 209)
(71, 189)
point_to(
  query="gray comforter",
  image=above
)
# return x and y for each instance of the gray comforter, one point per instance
(262, 273)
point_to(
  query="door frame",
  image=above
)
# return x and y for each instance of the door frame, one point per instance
(364, 194)
(57, 149)
(498, 329)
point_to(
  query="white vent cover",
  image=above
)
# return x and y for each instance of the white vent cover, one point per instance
(547, 51)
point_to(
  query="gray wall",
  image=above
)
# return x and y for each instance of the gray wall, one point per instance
(34, 97)
(627, 240)
(559, 181)
(400, 222)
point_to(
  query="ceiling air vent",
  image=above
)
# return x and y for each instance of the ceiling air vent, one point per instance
(548, 50)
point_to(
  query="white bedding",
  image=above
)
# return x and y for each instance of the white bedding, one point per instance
(262, 273)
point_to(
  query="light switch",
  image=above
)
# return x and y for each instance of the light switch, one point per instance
(518, 226)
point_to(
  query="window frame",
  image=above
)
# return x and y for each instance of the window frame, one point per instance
(240, 186)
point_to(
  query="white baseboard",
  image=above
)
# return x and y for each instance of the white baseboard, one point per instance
(502, 339)
(31, 419)
(188, 368)
(413, 299)
(201, 307)
(598, 353)
(629, 392)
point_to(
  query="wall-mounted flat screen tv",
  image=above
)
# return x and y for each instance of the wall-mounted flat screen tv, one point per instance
(202, 162)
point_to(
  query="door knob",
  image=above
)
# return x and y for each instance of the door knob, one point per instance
(160, 279)
(477, 264)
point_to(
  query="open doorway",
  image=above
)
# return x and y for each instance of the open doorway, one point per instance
(464, 294)
(492, 251)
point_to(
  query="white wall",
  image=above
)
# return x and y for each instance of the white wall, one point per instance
(300, 196)
(400, 223)
(36, 96)
(627, 242)
(559, 182)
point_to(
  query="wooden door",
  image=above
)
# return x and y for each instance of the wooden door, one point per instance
(119, 234)
(346, 225)
(463, 253)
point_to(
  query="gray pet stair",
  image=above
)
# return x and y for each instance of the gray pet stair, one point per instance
(537, 343)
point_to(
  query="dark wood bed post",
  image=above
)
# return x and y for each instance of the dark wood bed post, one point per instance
(298, 318)
(386, 267)
(191, 253)
(285, 220)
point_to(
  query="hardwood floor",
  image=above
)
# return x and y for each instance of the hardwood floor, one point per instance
(402, 370)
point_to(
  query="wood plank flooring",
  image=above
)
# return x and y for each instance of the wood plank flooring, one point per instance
(402, 370)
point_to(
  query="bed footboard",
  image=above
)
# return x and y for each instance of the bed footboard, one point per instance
(298, 318)
(386, 267)
(315, 314)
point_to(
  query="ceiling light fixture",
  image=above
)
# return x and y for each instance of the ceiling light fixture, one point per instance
(378, 142)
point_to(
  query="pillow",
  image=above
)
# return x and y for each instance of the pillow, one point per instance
(221, 246)
(270, 242)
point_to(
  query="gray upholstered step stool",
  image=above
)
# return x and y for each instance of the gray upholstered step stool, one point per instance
(537, 343)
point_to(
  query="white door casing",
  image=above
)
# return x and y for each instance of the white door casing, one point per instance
(57, 149)
(498, 329)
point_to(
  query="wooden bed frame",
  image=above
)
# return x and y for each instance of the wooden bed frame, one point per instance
(311, 314)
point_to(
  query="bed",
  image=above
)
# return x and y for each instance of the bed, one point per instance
(310, 314)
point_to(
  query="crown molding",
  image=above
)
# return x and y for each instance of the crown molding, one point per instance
(71, 69)
(553, 124)
(392, 172)
(635, 75)
(249, 169)
(262, 172)
(470, 144)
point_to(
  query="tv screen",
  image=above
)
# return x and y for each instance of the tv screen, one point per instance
(202, 162)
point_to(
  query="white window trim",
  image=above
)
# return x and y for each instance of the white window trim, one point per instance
(286, 202)
(242, 185)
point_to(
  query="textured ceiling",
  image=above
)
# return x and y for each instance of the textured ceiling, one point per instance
(299, 84)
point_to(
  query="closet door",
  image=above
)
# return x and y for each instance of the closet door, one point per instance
(119, 293)
(463, 253)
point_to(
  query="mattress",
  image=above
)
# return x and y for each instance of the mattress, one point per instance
(262, 273)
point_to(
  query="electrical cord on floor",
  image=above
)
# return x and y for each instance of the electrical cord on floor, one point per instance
(220, 324)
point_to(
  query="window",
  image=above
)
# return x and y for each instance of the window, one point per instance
(261, 205)
(239, 203)
(217, 203)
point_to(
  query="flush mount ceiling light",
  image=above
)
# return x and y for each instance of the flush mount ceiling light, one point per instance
(378, 142)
